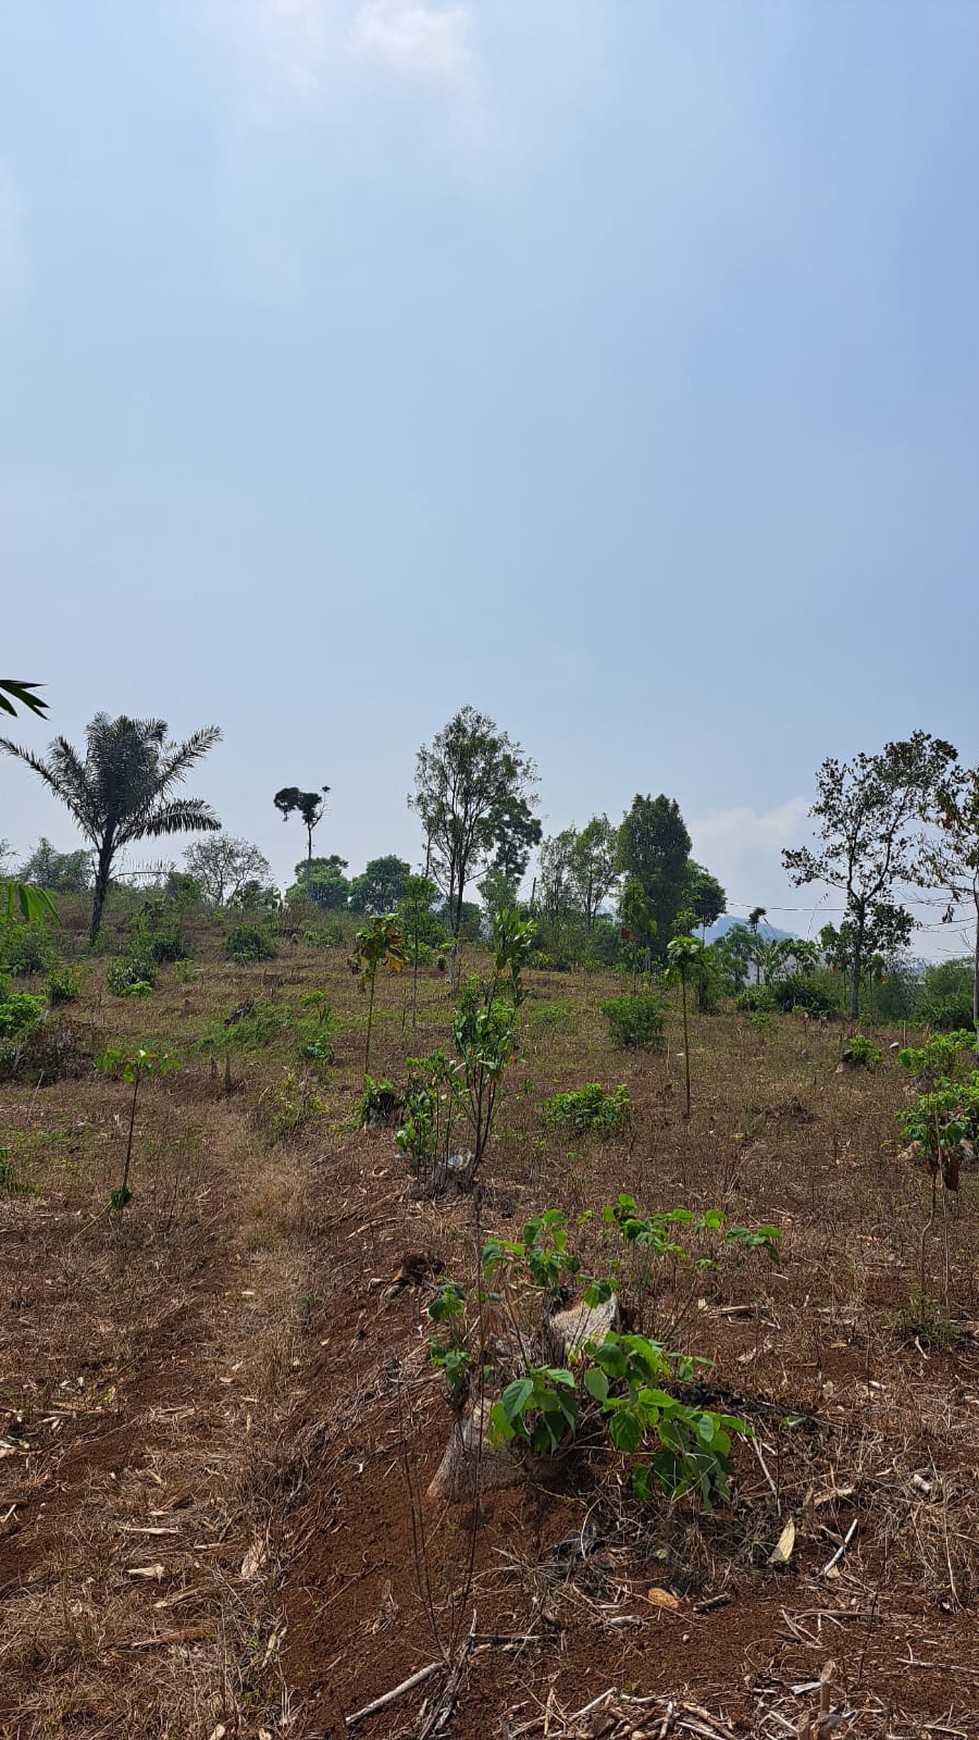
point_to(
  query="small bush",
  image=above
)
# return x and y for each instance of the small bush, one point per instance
(20, 1016)
(27, 948)
(63, 986)
(134, 977)
(588, 1109)
(636, 1022)
(167, 946)
(861, 1053)
(757, 1000)
(799, 992)
(249, 942)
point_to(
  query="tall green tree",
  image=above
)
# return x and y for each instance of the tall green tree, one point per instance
(594, 866)
(952, 860)
(516, 831)
(321, 880)
(311, 806)
(653, 849)
(60, 872)
(464, 782)
(380, 887)
(868, 815)
(703, 895)
(120, 790)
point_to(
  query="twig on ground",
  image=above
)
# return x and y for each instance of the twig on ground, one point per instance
(386, 1698)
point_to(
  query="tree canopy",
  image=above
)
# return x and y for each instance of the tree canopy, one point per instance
(868, 817)
(472, 776)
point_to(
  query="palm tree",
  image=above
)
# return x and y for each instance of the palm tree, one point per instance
(120, 791)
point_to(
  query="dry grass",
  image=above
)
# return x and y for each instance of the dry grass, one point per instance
(218, 1364)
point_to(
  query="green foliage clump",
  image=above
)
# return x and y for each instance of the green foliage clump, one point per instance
(757, 1000)
(798, 991)
(287, 1106)
(63, 986)
(945, 1000)
(19, 1013)
(589, 1109)
(134, 976)
(27, 948)
(636, 1019)
(249, 942)
(940, 1056)
(862, 1053)
(628, 1379)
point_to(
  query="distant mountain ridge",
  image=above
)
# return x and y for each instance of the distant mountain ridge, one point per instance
(770, 932)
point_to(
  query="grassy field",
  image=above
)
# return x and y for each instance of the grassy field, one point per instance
(218, 1424)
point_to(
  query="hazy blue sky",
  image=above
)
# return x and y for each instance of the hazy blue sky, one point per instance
(611, 365)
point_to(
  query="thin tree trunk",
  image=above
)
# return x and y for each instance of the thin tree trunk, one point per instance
(855, 980)
(101, 889)
(686, 1042)
(975, 975)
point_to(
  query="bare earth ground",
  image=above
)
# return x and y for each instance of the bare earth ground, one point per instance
(217, 1426)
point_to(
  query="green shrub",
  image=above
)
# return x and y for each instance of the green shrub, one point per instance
(799, 991)
(946, 996)
(249, 942)
(167, 946)
(20, 1017)
(587, 1109)
(757, 1000)
(940, 1056)
(636, 1021)
(63, 986)
(132, 977)
(27, 948)
(861, 1053)
(19, 1014)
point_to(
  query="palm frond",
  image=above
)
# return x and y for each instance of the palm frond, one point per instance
(181, 816)
(58, 777)
(179, 758)
(13, 690)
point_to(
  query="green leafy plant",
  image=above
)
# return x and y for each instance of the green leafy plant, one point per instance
(63, 986)
(27, 948)
(539, 1409)
(379, 943)
(943, 1124)
(684, 957)
(583, 1111)
(431, 1103)
(862, 1053)
(132, 1066)
(636, 1020)
(626, 1378)
(249, 942)
(940, 1057)
(132, 977)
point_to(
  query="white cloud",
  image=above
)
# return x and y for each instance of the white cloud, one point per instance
(743, 849)
(307, 54)
(414, 40)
